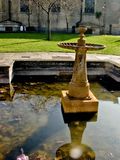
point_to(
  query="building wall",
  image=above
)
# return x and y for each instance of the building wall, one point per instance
(110, 16)
(15, 8)
(3, 9)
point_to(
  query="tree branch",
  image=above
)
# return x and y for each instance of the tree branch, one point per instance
(52, 3)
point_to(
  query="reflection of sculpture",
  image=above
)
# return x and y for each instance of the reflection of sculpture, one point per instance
(75, 150)
(79, 98)
(22, 156)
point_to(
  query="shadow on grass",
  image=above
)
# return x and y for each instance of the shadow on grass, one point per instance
(19, 43)
(118, 41)
(40, 36)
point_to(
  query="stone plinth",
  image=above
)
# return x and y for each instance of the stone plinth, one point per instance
(73, 105)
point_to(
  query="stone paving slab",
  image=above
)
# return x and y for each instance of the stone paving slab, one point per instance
(7, 58)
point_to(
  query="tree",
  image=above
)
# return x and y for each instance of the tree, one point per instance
(26, 7)
(68, 7)
(39, 16)
(29, 12)
(81, 10)
(38, 10)
(47, 6)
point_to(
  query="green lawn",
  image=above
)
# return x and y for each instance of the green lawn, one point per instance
(36, 42)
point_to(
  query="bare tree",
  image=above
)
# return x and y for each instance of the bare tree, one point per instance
(38, 10)
(26, 7)
(47, 6)
(29, 12)
(39, 16)
(69, 8)
(81, 10)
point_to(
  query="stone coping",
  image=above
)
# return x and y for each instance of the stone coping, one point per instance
(6, 59)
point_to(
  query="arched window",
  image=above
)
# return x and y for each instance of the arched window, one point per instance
(24, 5)
(90, 6)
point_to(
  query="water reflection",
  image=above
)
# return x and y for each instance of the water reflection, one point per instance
(33, 120)
(36, 127)
(6, 92)
(76, 150)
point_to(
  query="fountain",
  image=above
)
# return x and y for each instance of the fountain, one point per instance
(78, 97)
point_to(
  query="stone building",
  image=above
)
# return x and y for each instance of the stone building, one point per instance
(22, 15)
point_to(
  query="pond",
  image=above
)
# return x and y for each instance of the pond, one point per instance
(33, 120)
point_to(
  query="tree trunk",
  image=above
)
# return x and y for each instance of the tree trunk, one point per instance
(100, 27)
(38, 19)
(28, 19)
(49, 26)
(29, 13)
(9, 10)
(67, 25)
(81, 11)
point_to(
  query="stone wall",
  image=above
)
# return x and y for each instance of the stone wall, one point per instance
(26, 68)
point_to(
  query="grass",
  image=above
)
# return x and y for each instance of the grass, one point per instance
(36, 42)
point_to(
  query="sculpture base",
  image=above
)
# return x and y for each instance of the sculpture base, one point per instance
(72, 105)
(78, 91)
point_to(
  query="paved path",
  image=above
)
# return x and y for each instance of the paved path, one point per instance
(7, 58)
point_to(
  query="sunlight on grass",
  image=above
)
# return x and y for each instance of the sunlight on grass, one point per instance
(36, 42)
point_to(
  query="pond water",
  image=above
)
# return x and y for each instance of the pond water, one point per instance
(33, 120)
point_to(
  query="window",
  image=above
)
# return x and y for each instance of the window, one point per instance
(56, 7)
(24, 5)
(90, 6)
